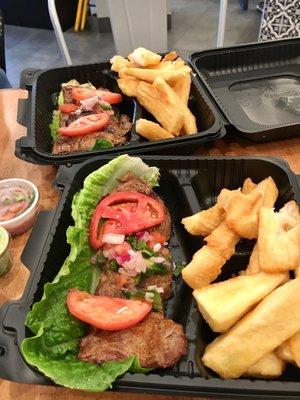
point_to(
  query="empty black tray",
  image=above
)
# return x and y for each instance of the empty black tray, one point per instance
(256, 87)
(187, 186)
(36, 114)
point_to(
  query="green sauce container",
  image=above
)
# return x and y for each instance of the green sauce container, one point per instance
(5, 260)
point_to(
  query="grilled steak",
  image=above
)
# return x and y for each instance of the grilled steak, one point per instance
(111, 285)
(158, 342)
(115, 132)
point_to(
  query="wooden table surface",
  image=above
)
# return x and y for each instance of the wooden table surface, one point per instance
(12, 285)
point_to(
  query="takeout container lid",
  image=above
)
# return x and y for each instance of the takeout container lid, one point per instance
(255, 87)
(36, 114)
(187, 184)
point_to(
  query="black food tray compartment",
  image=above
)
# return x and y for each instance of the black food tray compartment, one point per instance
(255, 86)
(36, 114)
(186, 185)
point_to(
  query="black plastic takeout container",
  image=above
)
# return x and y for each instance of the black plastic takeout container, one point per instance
(255, 87)
(187, 185)
(36, 114)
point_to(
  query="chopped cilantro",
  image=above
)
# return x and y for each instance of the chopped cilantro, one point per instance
(157, 304)
(177, 269)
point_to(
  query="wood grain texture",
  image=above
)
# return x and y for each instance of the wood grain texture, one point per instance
(12, 285)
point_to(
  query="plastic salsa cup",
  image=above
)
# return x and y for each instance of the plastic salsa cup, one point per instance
(5, 260)
(19, 201)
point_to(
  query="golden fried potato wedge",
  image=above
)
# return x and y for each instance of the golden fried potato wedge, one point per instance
(204, 268)
(151, 131)
(164, 108)
(268, 367)
(128, 85)
(222, 304)
(182, 88)
(204, 222)
(189, 122)
(275, 319)
(170, 56)
(144, 57)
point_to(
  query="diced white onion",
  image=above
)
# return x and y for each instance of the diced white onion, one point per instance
(113, 238)
(158, 289)
(157, 260)
(157, 247)
(149, 296)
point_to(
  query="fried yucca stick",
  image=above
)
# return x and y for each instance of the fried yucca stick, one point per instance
(207, 263)
(204, 268)
(128, 85)
(222, 304)
(151, 130)
(223, 240)
(204, 222)
(253, 266)
(294, 346)
(248, 186)
(149, 75)
(170, 56)
(279, 250)
(242, 209)
(268, 367)
(164, 108)
(189, 122)
(284, 352)
(118, 62)
(182, 88)
(274, 320)
(144, 57)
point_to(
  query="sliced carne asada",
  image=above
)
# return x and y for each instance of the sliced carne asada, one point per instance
(158, 342)
(115, 132)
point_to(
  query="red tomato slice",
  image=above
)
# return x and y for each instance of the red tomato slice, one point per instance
(96, 233)
(85, 125)
(85, 93)
(107, 313)
(68, 108)
(128, 213)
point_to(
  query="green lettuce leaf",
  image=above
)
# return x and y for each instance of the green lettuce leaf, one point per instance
(55, 125)
(56, 333)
